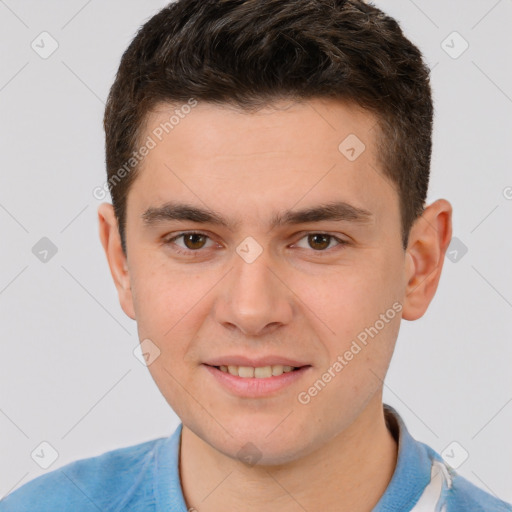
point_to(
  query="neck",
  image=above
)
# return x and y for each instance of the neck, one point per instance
(349, 472)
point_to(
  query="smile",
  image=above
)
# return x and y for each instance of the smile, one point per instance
(255, 382)
(260, 372)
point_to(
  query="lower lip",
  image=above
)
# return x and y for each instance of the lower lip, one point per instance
(252, 387)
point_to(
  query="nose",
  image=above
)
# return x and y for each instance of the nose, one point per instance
(253, 298)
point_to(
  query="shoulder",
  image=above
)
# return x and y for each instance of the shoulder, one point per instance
(95, 483)
(423, 478)
(465, 496)
(461, 495)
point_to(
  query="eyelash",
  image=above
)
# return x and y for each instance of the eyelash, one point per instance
(189, 252)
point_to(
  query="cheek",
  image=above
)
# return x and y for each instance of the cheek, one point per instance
(358, 310)
(337, 307)
(349, 299)
(162, 295)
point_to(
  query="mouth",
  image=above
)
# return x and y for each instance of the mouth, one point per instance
(257, 381)
(258, 372)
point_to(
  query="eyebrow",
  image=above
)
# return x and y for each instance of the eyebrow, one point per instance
(333, 211)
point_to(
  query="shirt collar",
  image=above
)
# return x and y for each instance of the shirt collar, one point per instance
(413, 468)
(412, 472)
(166, 477)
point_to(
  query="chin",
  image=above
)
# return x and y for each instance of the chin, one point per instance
(260, 443)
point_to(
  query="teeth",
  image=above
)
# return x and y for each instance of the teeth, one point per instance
(262, 372)
(245, 371)
(277, 369)
(233, 370)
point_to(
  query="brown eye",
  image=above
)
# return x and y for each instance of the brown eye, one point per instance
(319, 241)
(194, 241)
(188, 243)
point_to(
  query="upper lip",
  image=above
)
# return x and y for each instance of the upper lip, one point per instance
(256, 362)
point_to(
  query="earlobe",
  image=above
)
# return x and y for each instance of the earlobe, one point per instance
(428, 241)
(117, 261)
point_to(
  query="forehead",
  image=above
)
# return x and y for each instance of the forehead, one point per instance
(315, 151)
(299, 128)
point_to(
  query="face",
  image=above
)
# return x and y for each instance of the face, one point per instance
(234, 258)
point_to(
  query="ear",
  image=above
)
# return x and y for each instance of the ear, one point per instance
(429, 238)
(117, 261)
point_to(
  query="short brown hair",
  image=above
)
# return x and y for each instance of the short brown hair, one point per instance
(250, 53)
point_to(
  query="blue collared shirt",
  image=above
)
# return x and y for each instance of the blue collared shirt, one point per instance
(145, 478)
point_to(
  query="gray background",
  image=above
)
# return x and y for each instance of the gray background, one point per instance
(68, 375)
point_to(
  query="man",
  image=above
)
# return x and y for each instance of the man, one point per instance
(268, 162)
